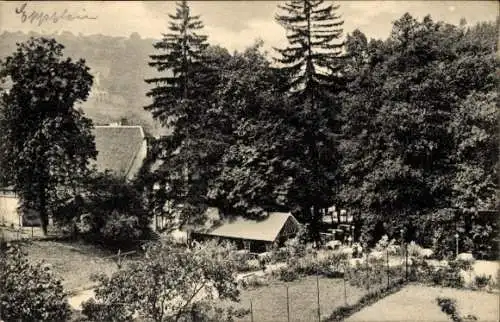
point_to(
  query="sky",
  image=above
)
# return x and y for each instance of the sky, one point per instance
(231, 24)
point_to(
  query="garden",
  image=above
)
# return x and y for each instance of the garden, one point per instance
(294, 283)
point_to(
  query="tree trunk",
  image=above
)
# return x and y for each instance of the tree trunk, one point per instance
(44, 217)
(314, 214)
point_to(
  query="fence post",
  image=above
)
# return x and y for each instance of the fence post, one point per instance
(251, 311)
(317, 288)
(345, 286)
(287, 305)
(406, 262)
(388, 276)
(367, 273)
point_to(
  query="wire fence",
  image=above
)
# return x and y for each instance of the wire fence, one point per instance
(314, 298)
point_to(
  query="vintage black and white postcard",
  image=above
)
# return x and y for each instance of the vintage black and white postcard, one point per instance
(261, 161)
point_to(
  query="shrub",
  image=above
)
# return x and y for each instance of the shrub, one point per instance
(287, 274)
(253, 281)
(449, 306)
(168, 283)
(280, 255)
(116, 312)
(243, 263)
(208, 311)
(29, 292)
(448, 277)
(115, 213)
(482, 280)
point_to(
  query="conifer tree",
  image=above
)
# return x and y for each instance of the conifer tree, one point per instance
(181, 96)
(312, 57)
(180, 60)
(312, 62)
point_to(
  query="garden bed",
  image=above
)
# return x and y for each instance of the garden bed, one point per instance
(269, 303)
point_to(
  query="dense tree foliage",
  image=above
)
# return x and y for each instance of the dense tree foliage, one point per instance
(29, 292)
(110, 212)
(47, 143)
(419, 124)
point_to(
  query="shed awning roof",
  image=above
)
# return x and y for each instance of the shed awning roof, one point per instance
(264, 230)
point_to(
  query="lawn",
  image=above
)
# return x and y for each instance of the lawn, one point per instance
(72, 262)
(269, 302)
(418, 303)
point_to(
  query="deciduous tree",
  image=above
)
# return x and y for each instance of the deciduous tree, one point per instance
(171, 284)
(47, 142)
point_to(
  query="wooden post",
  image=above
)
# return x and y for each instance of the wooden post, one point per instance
(367, 273)
(287, 305)
(317, 288)
(345, 288)
(406, 262)
(388, 278)
(251, 311)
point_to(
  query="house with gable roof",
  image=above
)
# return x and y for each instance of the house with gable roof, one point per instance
(121, 149)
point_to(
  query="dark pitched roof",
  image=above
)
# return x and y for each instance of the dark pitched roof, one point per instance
(117, 147)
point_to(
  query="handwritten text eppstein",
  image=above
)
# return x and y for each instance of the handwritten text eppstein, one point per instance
(39, 17)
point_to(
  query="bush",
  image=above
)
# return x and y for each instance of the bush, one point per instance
(254, 281)
(449, 306)
(332, 265)
(208, 311)
(287, 274)
(95, 311)
(281, 255)
(448, 277)
(115, 213)
(29, 292)
(169, 283)
(482, 280)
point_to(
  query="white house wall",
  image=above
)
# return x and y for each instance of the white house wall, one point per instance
(8, 210)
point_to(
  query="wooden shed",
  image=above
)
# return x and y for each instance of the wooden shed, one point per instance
(254, 235)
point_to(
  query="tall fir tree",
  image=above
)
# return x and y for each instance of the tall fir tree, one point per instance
(181, 58)
(312, 57)
(313, 64)
(181, 100)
